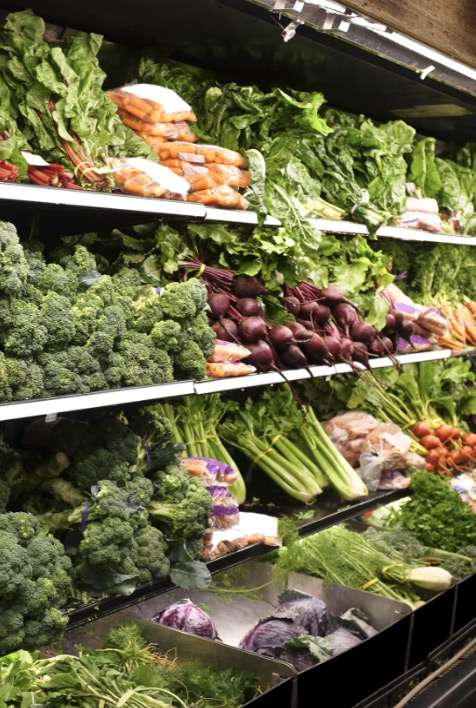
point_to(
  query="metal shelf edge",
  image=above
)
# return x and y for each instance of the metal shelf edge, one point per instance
(123, 396)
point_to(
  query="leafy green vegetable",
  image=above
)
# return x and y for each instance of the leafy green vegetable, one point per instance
(436, 514)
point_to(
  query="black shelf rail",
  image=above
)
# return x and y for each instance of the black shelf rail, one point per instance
(327, 512)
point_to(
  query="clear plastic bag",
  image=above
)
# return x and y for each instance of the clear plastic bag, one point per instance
(210, 472)
(144, 178)
(152, 104)
(209, 176)
(201, 154)
(228, 352)
(223, 196)
(229, 368)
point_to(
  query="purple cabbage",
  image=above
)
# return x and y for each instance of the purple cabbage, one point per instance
(341, 640)
(189, 618)
(224, 502)
(269, 637)
(308, 612)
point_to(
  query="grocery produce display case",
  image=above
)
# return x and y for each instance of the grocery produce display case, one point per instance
(359, 68)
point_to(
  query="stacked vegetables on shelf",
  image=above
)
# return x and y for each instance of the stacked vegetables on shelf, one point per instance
(66, 328)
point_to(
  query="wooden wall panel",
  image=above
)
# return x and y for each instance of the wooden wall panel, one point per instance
(446, 25)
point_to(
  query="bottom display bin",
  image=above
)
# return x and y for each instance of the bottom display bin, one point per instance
(432, 625)
(465, 609)
(275, 677)
(350, 676)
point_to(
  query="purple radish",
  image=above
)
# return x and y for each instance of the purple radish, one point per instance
(219, 304)
(251, 329)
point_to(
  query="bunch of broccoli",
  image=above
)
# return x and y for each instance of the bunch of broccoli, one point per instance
(65, 328)
(34, 583)
(130, 504)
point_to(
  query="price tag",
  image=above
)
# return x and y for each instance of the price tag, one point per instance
(34, 160)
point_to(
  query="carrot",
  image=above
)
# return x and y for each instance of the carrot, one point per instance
(448, 343)
(459, 322)
(468, 322)
(471, 305)
(453, 324)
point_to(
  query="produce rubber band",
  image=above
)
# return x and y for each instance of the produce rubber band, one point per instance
(197, 442)
(371, 582)
(393, 565)
(262, 454)
(200, 270)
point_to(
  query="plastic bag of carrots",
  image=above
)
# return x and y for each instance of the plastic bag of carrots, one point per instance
(152, 104)
(223, 196)
(144, 178)
(167, 131)
(200, 154)
(209, 176)
(462, 326)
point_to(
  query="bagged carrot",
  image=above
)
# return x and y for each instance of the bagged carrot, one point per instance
(144, 178)
(153, 104)
(230, 368)
(222, 196)
(200, 154)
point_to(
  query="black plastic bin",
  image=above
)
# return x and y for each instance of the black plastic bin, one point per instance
(432, 625)
(465, 610)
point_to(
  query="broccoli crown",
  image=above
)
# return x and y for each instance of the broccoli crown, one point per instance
(80, 261)
(187, 518)
(189, 362)
(26, 336)
(104, 450)
(59, 379)
(33, 251)
(55, 279)
(5, 388)
(86, 311)
(145, 365)
(13, 264)
(113, 368)
(200, 332)
(120, 543)
(168, 335)
(58, 320)
(22, 526)
(171, 484)
(126, 282)
(46, 629)
(147, 309)
(104, 289)
(150, 425)
(181, 301)
(34, 581)
(25, 378)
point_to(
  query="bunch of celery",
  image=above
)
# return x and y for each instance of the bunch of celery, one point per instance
(194, 423)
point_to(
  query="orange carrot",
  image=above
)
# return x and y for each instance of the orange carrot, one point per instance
(448, 343)
(468, 322)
